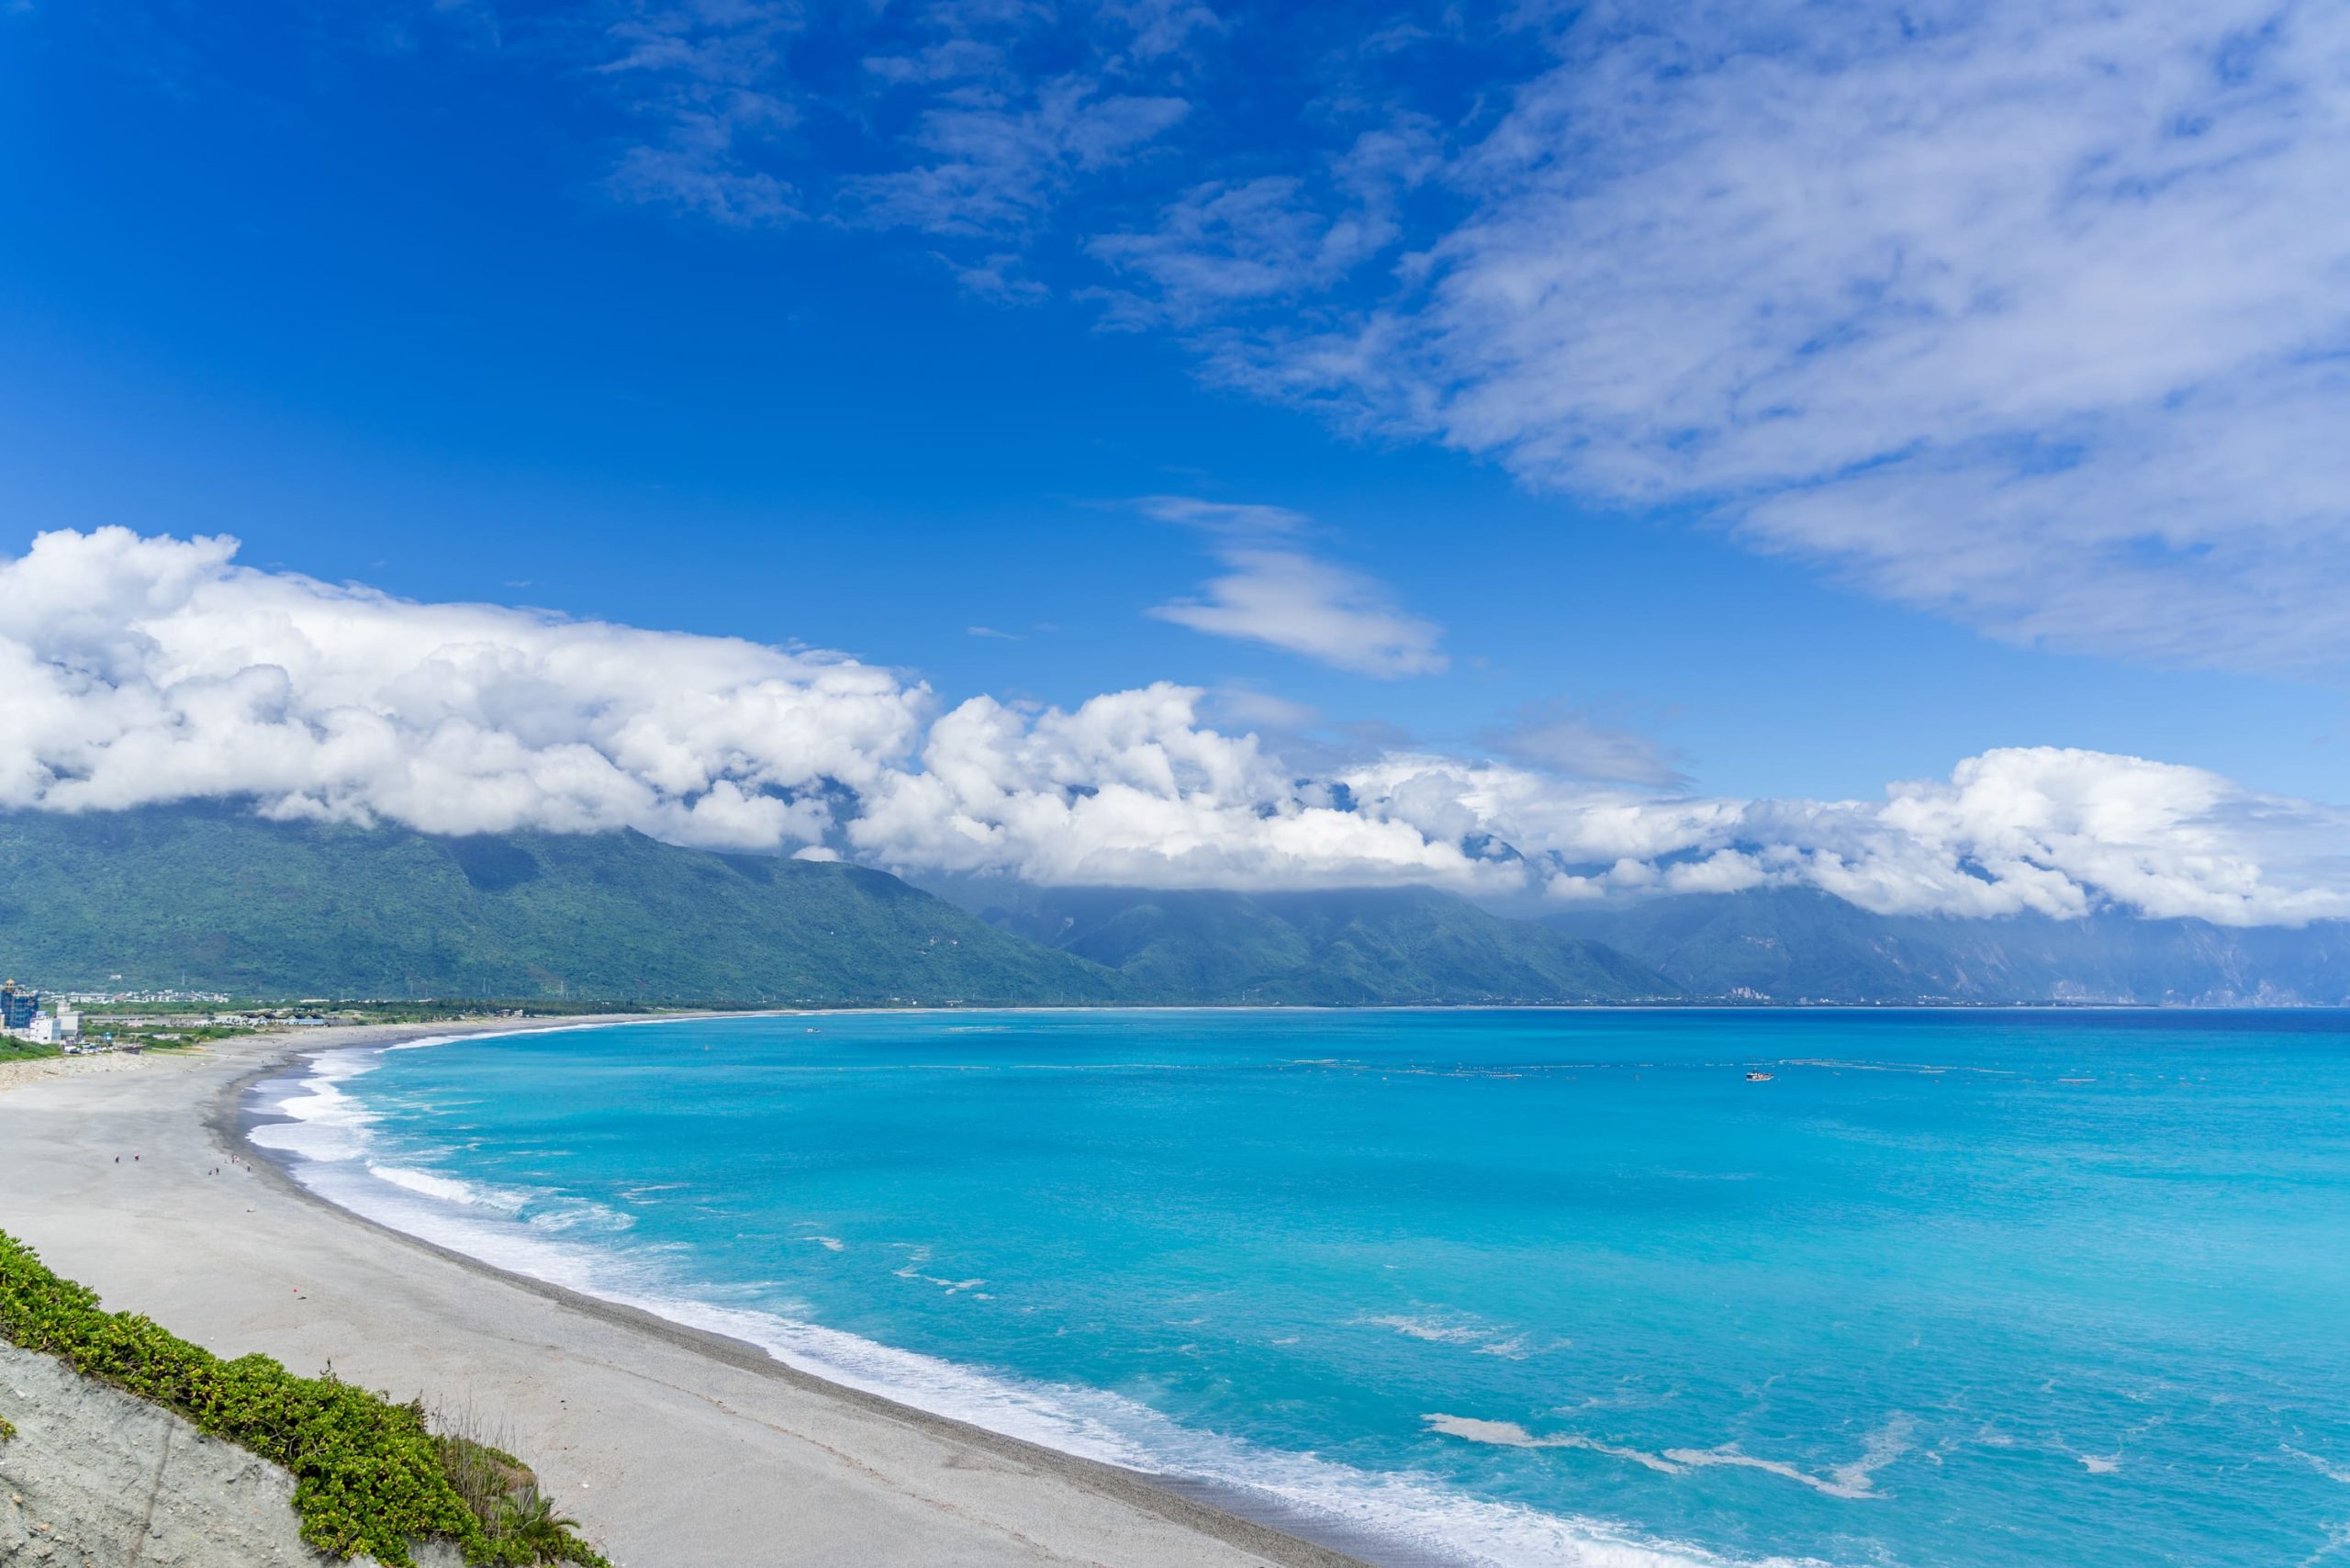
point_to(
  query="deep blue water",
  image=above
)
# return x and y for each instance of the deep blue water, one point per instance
(2069, 1289)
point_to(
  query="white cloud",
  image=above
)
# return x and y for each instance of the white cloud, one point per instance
(2034, 315)
(135, 671)
(1289, 600)
(1239, 519)
(2041, 829)
(2031, 313)
(1276, 593)
(1129, 788)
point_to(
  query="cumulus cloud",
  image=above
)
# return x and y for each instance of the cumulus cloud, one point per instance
(2043, 830)
(141, 670)
(135, 670)
(1129, 787)
(2031, 313)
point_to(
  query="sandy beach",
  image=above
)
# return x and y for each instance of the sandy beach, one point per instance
(673, 1447)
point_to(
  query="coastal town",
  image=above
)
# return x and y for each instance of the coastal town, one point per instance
(21, 1018)
(86, 1022)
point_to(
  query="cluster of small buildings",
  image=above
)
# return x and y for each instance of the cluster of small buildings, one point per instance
(21, 1017)
(106, 998)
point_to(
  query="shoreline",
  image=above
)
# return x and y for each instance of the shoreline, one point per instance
(1201, 1522)
(1199, 1505)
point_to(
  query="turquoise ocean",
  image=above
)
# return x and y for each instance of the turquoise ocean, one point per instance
(2069, 1289)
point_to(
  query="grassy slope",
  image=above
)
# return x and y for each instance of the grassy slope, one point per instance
(219, 898)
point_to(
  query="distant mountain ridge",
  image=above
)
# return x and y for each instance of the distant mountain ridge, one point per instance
(212, 896)
(1795, 944)
(1355, 947)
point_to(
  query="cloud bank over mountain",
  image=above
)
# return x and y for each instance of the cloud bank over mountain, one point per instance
(135, 671)
(141, 670)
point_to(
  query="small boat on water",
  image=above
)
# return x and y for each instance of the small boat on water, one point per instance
(1758, 1078)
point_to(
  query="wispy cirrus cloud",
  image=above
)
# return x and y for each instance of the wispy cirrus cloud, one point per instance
(2033, 315)
(962, 121)
(2036, 315)
(1227, 245)
(1288, 599)
(712, 85)
(1233, 519)
(1276, 592)
(989, 162)
(1577, 743)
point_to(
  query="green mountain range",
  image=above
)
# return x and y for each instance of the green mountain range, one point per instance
(211, 897)
(214, 898)
(1793, 944)
(1391, 946)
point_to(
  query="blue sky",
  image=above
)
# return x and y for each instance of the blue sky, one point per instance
(1683, 463)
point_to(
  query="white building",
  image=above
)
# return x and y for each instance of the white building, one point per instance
(54, 1028)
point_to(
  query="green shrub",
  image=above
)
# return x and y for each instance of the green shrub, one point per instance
(368, 1475)
(6, 1430)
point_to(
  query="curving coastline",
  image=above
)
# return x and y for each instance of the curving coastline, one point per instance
(674, 1445)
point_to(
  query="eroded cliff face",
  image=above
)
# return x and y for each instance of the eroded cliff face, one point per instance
(97, 1476)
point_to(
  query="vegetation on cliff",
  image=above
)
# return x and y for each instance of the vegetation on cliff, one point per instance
(369, 1475)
